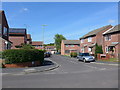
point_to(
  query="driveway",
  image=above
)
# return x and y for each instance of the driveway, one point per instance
(70, 74)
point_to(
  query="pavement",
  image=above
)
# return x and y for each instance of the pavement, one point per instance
(48, 65)
(71, 73)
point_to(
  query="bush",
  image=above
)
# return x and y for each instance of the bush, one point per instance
(98, 49)
(22, 55)
(73, 54)
(0, 54)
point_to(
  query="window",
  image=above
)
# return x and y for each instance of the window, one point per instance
(82, 49)
(67, 51)
(40, 45)
(5, 31)
(66, 45)
(71, 45)
(89, 39)
(89, 49)
(82, 40)
(106, 49)
(107, 37)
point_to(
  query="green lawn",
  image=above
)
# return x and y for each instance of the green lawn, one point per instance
(111, 60)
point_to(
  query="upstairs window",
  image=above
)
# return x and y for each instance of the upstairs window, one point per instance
(71, 45)
(107, 37)
(89, 39)
(66, 45)
(5, 31)
(82, 40)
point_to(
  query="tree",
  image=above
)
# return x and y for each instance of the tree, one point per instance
(58, 39)
(27, 46)
(98, 49)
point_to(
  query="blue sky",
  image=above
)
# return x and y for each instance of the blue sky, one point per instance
(71, 19)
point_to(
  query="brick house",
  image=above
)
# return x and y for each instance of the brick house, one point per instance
(29, 39)
(18, 36)
(88, 41)
(111, 44)
(51, 49)
(68, 46)
(38, 44)
(4, 30)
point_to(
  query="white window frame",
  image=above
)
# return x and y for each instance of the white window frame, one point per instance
(5, 30)
(106, 49)
(107, 37)
(66, 45)
(89, 39)
(71, 45)
(89, 49)
(82, 40)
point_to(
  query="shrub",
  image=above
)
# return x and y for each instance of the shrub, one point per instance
(73, 54)
(22, 55)
(98, 50)
(0, 54)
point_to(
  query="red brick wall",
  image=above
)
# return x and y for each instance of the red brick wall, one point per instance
(16, 40)
(95, 39)
(87, 44)
(114, 38)
(63, 48)
(25, 64)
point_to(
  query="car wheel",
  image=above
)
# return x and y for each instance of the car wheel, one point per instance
(84, 60)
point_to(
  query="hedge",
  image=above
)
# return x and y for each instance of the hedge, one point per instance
(12, 56)
(73, 54)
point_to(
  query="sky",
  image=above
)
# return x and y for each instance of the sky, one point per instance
(71, 19)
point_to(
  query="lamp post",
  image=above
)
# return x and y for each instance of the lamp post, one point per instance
(43, 28)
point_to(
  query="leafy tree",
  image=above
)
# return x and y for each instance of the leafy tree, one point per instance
(98, 49)
(58, 39)
(27, 46)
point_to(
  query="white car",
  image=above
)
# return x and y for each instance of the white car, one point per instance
(86, 57)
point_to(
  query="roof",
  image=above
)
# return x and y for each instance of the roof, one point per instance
(71, 41)
(37, 43)
(28, 36)
(94, 32)
(113, 30)
(17, 31)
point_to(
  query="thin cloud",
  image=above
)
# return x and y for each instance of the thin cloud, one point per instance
(111, 21)
(24, 10)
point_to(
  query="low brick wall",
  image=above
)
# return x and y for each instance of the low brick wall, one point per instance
(103, 56)
(25, 64)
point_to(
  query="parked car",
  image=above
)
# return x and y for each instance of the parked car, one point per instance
(47, 54)
(85, 57)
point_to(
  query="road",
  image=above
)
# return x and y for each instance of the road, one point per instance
(70, 74)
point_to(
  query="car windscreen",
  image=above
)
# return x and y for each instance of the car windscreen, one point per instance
(84, 54)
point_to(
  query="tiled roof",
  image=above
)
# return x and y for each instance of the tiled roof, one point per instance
(71, 41)
(37, 43)
(113, 30)
(94, 32)
(28, 36)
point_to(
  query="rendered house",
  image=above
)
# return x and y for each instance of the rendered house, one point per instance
(88, 41)
(18, 36)
(4, 30)
(68, 46)
(51, 49)
(112, 41)
(29, 39)
(38, 44)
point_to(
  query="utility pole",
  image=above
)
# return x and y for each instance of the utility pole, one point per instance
(43, 29)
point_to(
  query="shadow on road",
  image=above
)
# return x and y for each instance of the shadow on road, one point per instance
(47, 63)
